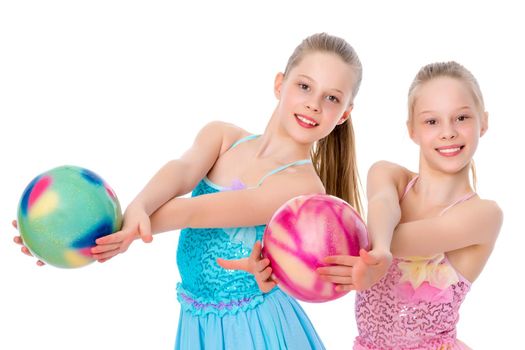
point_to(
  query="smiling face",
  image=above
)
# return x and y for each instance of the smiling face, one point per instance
(446, 123)
(315, 96)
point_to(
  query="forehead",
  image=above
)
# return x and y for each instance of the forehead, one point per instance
(327, 69)
(444, 93)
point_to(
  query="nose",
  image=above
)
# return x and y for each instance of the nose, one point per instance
(312, 106)
(448, 131)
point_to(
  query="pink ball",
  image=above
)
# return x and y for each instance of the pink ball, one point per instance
(301, 233)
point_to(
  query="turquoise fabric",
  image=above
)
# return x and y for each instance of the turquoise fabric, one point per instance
(224, 309)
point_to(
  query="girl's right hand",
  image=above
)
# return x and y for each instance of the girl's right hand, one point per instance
(136, 224)
(254, 264)
(24, 249)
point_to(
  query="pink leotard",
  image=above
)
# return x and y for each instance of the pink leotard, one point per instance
(415, 306)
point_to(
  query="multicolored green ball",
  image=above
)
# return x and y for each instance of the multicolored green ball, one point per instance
(63, 211)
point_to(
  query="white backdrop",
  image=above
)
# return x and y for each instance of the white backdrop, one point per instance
(121, 87)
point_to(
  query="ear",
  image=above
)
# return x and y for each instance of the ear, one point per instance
(484, 123)
(279, 78)
(410, 129)
(346, 115)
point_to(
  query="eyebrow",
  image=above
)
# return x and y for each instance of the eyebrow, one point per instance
(456, 110)
(307, 77)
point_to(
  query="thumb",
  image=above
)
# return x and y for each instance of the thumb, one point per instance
(368, 258)
(236, 264)
(145, 231)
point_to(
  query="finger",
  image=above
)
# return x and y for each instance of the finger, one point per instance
(347, 260)
(26, 251)
(265, 274)
(237, 264)
(256, 251)
(337, 279)
(14, 223)
(40, 263)
(106, 255)
(368, 258)
(262, 264)
(145, 231)
(345, 287)
(116, 237)
(104, 248)
(335, 270)
(18, 240)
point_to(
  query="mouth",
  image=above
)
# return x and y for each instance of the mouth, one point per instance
(450, 151)
(305, 121)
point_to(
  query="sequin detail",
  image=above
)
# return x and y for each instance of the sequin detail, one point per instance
(387, 319)
(206, 287)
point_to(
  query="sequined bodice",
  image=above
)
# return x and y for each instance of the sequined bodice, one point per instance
(206, 287)
(415, 306)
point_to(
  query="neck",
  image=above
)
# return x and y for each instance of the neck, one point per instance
(440, 188)
(277, 144)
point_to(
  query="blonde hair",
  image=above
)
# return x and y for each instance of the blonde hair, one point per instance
(334, 156)
(453, 70)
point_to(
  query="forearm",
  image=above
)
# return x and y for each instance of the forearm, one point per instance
(225, 209)
(169, 182)
(383, 217)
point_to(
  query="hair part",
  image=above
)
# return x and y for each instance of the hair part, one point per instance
(334, 156)
(453, 70)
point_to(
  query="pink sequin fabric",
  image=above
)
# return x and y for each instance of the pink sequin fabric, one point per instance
(414, 307)
(390, 317)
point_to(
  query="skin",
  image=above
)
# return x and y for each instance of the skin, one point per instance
(319, 89)
(445, 116)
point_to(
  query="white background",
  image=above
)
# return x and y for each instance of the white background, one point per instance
(121, 87)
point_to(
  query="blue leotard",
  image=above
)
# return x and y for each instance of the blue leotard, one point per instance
(224, 309)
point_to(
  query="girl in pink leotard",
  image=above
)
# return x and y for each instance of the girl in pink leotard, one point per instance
(431, 233)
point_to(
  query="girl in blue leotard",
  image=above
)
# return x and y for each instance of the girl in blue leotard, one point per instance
(238, 180)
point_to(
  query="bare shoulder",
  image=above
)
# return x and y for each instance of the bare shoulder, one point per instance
(228, 132)
(385, 171)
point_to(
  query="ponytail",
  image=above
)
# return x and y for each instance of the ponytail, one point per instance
(334, 159)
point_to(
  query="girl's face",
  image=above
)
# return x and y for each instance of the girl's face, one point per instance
(446, 124)
(315, 96)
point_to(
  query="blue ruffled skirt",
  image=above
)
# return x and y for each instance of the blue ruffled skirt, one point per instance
(278, 322)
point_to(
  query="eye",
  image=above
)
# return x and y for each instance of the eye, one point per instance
(332, 98)
(462, 118)
(304, 86)
(431, 121)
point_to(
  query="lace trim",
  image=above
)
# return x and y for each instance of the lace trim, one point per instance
(201, 306)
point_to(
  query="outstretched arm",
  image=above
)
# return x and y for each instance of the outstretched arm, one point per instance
(175, 178)
(476, 222)
(238, 208)
(385, 184)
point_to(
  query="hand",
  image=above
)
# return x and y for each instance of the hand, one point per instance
(254, 264)
(136, 224)
(356, 272)
(24, 249)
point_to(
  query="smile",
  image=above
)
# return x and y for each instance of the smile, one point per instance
(450, 151)
(305, 121)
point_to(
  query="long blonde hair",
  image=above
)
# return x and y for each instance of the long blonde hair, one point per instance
(334, 156)
(449, 69)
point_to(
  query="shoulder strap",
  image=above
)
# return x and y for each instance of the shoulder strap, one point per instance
(409, 186)
(246, 138)
(459, 200)
(282, 167)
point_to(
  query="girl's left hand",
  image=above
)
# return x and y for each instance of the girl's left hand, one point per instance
(254, 264)
(24, 249)
(356, 272)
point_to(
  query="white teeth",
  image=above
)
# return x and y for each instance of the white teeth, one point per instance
(307, 121)
(449, 150)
